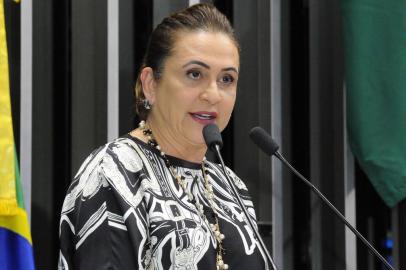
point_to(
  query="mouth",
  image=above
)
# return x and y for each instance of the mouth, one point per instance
(204, 117)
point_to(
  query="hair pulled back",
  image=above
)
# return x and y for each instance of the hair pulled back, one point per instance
(200, 17)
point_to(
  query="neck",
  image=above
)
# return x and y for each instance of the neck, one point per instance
(173, 145)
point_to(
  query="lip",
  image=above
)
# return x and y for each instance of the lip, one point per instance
(211, 117)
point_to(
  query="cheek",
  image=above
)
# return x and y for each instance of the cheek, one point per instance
(227, 107)
(230, 101)
(182, 103)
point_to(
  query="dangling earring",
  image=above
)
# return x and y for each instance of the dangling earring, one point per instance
(147, 105)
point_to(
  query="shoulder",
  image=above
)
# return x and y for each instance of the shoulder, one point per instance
(106, 166)
(123, 150)
(124, 153)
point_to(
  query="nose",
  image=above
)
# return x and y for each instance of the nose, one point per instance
(212, 93)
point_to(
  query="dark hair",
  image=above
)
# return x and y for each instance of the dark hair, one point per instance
(194, 18)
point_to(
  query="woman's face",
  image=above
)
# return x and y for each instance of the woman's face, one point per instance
(197, 86)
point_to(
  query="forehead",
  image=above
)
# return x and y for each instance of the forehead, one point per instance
(213, 48)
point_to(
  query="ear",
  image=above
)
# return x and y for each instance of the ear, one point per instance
(148, 84)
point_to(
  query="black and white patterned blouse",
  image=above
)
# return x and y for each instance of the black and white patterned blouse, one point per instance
(125, 211)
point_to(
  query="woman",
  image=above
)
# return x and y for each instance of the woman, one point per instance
(150, 200)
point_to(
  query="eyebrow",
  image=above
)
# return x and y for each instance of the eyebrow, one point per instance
(200, 63)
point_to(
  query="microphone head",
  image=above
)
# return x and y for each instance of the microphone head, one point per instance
(263, 140)
(212, 136)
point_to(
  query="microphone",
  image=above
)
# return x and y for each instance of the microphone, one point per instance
(265, 142)
(212, 137)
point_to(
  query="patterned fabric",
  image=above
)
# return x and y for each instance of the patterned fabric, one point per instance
(124, 211)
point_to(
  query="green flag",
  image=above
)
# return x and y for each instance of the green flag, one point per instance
(375, 43)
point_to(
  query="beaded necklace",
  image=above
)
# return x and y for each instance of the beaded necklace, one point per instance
(214, 227)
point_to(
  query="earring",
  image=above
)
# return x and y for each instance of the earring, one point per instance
(147, 105)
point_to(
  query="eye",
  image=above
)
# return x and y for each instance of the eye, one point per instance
(193, 74)
(227, 79)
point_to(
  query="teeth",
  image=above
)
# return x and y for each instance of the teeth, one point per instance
(204, 116)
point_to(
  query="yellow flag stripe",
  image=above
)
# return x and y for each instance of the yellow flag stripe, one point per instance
(8, 199)
(17, 223)
(12, 217)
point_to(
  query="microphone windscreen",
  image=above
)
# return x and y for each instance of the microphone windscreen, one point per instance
(212, 136)
(263, 140)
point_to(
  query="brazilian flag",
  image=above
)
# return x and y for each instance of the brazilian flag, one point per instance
(15, 238)
(375, 43)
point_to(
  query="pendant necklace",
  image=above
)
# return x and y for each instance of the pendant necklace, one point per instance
(208, 193)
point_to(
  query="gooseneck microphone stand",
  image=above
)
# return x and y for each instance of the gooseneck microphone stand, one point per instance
(265, 142)
(332, 207)
(213, 140)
